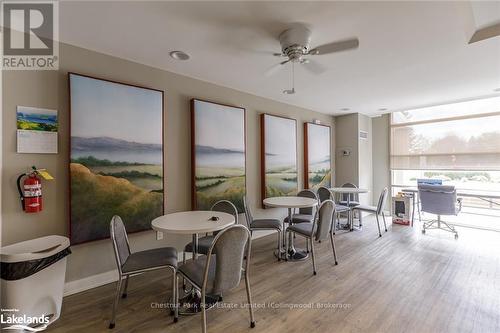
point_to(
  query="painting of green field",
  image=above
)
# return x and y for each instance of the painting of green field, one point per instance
(280, 156)
(219, 154)
(116, 157)
(318, 163)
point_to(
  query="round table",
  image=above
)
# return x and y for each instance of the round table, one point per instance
(349, 190)
(291, 202)
(192, 223)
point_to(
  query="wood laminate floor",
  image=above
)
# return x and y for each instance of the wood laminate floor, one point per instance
(402, 282)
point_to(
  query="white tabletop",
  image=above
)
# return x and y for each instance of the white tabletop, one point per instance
(348, 190)
(192, 222)
(290, 202)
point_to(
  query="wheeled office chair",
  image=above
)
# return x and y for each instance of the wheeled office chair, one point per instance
(439, 200)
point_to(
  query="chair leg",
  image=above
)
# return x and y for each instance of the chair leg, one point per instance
(124, 294)
(279, 245)
(183, 262)
(333, 248)
(313, 257)
(115, 304)
(378, 225)
(360, 216)
(203, 314)
(175, 296)
(249, 297)
(383, 218)
(307, 245)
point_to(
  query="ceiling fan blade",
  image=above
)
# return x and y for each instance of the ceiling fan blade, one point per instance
(314, 67)
(275, 68)
(339, 46)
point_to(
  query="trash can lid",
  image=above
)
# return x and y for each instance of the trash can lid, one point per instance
(34, 249)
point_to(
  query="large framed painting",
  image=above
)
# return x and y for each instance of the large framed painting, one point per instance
(218, 154)
(116, 156)
(317, 156)
(279, 156)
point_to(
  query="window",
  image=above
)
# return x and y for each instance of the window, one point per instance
(458, 143)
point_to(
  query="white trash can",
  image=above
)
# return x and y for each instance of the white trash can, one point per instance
(32, 281)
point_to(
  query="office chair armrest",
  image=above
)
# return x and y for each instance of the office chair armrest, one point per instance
(459, 200)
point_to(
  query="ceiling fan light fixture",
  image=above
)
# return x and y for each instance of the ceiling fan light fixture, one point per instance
(179, 55)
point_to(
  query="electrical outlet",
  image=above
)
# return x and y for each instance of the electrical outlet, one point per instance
(159, 235)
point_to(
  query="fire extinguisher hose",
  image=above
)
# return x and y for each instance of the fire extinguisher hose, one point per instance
(21, 196)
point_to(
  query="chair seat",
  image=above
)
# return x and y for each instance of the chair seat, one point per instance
(305, 229)
(161, 257)
(366, 208)
(204, 244)
(194, 270)
(266, 224)
(300, 218)
(341, 208)
(351, 203)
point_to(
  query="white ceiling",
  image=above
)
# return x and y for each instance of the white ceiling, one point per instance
(411, 54)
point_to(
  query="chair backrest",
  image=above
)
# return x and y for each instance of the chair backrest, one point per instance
(323, 220)
(248, 212)
(230, 245)
(120, 241)
(307, 194)
(381, 200)
(226, 206)
(324, 194)
(352, 196)
(438, 199)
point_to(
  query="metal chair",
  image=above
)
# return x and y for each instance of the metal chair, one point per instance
(218, 273)
(263, 224)
(325, 194)
(205, 242)
(377, 210)
(319, 229)
(130, 264)
(305, 215)
(439, 200)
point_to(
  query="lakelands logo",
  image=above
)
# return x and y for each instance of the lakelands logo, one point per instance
(30, 35)
(10, 320)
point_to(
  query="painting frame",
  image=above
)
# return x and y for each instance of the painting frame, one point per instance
(163, 165)
(263, 162)
(307, 159)
(195, 205)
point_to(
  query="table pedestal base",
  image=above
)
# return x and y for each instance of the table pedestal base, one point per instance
(191, 303)
(297, 255)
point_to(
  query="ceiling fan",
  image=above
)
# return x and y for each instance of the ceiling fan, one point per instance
(295, 45)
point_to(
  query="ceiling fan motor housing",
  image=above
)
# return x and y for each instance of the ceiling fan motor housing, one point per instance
(295, 42)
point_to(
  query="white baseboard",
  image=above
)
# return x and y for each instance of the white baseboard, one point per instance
(93, 281)
(97, 280)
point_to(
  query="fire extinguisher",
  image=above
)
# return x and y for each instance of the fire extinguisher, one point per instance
(31, 191)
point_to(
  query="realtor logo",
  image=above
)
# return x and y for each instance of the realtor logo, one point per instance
(30, 35)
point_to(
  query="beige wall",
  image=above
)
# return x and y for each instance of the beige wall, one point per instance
(381, 151)
(346, 137)
(49, 89)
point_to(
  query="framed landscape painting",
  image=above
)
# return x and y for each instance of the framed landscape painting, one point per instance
(279, 156)
(218, 154)
(317, 152)
(116, 156)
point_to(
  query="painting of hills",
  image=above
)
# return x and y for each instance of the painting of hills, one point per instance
(116, 165)
(218, 154)
(279, 156)
(36, 119)
(317, 165)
